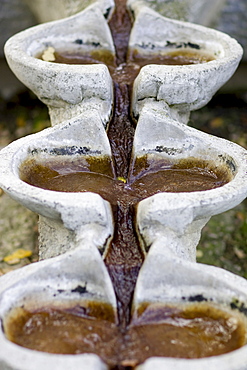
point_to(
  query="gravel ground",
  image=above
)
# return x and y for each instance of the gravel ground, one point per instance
(20, 116)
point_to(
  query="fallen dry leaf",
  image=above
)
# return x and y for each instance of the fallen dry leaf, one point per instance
(16, 256)
(199, 253)
(216, 122)
(239, 253)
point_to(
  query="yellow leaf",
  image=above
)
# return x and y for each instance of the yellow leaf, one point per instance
(216, 122)
(13, 261)
(240, 216)
(199, 253)
(120, 178)
(21, 122)
(17, 255)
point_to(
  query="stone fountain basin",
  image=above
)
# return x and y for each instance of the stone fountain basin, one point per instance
(55, 283)
(184, 214)
(162, 218)
(169, 227)
(69, 90)
(76, 214)
(184, 87)
(65, 89)
(177, 281)
(74, 278)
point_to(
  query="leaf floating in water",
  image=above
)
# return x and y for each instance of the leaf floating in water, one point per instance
(120, 178)
(15, 257)
(48, 55)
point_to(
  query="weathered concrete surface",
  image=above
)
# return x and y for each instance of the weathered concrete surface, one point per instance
(229, 16)
(66, 91)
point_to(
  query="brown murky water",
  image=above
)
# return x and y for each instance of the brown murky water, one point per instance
(150, 176)
(135, 60)
(192, 331)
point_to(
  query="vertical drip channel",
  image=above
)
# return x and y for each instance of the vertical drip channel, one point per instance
(124, 258)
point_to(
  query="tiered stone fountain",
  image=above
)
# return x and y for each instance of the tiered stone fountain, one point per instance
(122, 198)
